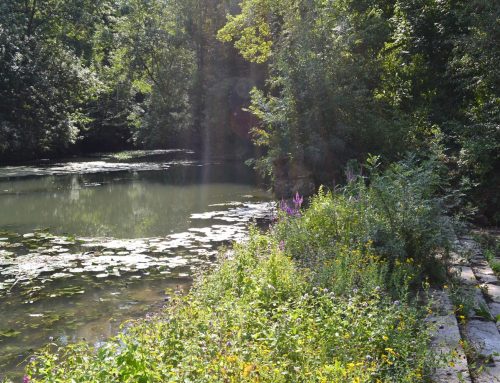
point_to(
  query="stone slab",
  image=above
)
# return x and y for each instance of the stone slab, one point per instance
(479, 261)
(484, 337)
(486, 270)
(466, 275)
(489, 373)
(446, 342)
(494, 309)
(441, 302)
(486, 278)
(493, 292)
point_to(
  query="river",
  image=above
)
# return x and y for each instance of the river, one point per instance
(89, 243)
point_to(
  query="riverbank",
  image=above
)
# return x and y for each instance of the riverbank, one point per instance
(328, 294)
(87, 244)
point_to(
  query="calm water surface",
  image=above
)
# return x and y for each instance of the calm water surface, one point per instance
(86, 244)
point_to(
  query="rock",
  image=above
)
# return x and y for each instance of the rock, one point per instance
(486, 278)
(495, 309)
(466, 275)
(485, 270)
(484, 337)
(489, 373)
(493, 292)
(291, 177)
(446, 342)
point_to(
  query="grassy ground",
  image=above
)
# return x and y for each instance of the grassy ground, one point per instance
(329, 294)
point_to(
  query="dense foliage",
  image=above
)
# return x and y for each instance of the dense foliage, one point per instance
(349, 78)
(112, 74)
(343, 79)
(323, 297)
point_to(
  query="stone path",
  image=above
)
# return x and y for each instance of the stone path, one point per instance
(472, 342)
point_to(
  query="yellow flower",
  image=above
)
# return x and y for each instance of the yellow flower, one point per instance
(247, 370)
(390, 351)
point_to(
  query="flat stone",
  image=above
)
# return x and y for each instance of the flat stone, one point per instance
(493, 292)
(479, 302)
(486, 270)
(486, 278)
(446, 342)
(484, 336)
(479, 261)
(466, 275)
(441, 301)
(489, 373)
(494, 309)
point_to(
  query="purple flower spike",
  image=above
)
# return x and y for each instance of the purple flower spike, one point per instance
(295, 210)
(297, 200)
(26, 379)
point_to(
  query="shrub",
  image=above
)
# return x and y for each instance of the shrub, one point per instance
(397, 215)
(322, 297)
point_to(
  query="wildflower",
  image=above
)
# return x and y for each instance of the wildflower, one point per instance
(390, 351)
(26, 379)
(298, 200)
(248, 369)
(295, 210)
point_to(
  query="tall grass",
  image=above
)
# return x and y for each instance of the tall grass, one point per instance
(321, 297)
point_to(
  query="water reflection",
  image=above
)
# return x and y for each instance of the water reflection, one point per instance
(122, 204)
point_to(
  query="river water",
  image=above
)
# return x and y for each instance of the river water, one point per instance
(89, 243)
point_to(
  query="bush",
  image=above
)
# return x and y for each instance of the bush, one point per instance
(397, 215)
(322, 297)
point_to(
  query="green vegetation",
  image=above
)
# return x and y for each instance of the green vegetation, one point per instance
(319, 86)
(348, 78)
(326, 295)
(106, 75)
(490, 245)
(332, 81)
